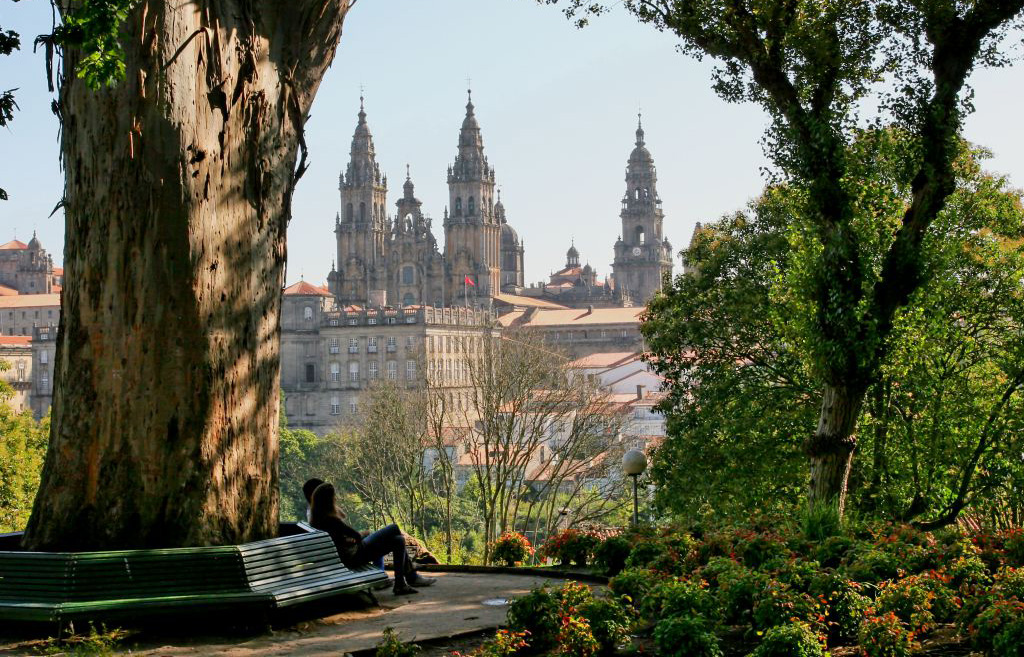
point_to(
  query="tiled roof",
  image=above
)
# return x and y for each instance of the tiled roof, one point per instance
(7, 291)
(528, 302)
(13, 245)
(30, 301)
(577, 317)
(58, 271)
(306, 289)
(15, 339)
(605, 360)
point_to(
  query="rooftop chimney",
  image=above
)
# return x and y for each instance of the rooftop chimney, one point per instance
(639, 392)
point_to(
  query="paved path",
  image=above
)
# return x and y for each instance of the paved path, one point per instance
(454, 605)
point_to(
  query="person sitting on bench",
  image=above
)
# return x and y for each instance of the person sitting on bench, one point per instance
(356, 550)
(307, 491)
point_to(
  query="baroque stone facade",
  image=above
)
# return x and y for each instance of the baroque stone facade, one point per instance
(395, 260)
(26, 269)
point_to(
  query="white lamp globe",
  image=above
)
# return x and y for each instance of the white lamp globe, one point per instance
(634, 462)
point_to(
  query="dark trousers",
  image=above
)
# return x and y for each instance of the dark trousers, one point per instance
(383, 541)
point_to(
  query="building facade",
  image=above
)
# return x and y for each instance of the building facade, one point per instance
(27, 269)
(395, 260)
(332, 354)
(643, 255)
(580, 332)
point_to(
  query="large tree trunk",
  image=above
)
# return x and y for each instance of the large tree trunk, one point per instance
(177, 198)
(831, 447)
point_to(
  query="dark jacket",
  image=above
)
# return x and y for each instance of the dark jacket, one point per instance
(347, 540)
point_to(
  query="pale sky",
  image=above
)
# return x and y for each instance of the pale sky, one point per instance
(557, 107)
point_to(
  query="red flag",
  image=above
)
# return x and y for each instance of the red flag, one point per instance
(469, 281)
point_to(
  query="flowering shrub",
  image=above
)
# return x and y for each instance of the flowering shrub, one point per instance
(791, 640)
(831, 551)
(797, 573)
(570, 547)
(738, 591)
(511, 549)
(756, 550)
(634, 584)
(777, 604)
(575, 638)
(991, 622)
(685, 636)
(873, 565)
(918, 600)
(610, 556)
(647, 553)
(844, 605)
(1013, 546)
(542, 613)
(885, 636)
(504, 644)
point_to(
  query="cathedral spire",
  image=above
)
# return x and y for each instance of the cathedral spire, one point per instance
(639, 129)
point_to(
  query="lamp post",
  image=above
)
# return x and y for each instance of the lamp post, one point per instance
(633, 464)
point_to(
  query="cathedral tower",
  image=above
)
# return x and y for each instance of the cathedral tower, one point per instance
(415, 266)
(362, 227)
(471, 227)
(642, 254)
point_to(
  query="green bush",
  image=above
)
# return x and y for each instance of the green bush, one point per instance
(575, 638)
(990, 623)
(791, 640)
(538, 613)
(873, 565)
(797, 573)
(845, 605)
(738, 591)
(645, 553)
(885, 636)
(1010, 641)
(685, 636)
(777, 604)
(683, 598)
(756, 550)
(1013, 547)
(833, 550)
(968, 572)
(910, 600)
(610, 620)
(610, 556)
(635, 584)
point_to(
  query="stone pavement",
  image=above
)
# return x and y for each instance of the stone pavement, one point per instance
(454, 605)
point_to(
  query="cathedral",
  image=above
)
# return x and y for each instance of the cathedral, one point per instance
(395, 260)
(384, 260)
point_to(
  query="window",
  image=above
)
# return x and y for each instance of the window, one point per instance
(604, 333)
(44, 357)
(410, 341)
(335, 372)
(372, 321)
(410, 369)
(409, 300)
(335, 406)
(334, 321)
(307, 314)
(556, 336)
(21, 370)
(36, 315)
(349, 215)
(310, 373)
(410, 319)
(353, 372)
(392, 343)
(49, 313)
(408, 275)
(352, 407)
(373, 370)
(392, 370)
(353, 321)
(334, 345)
(44, 381)
(390, 320)
(371, 345)
(640, 237)
(362, 212)
(471, 207)
(353, 345)
(458, 206)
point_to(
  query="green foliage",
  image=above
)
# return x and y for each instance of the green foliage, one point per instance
(22, 448)
(789, 640)
(504, 644)
(93, 29)
(392, 646)
(845, 605)
(685, 636)
(634, 584)
(990, 624)
(101, 642)
(610, 621)
(683, 598)
(778, 604)
(575, 638)
(543, 611)
(611, 555)
(918, 601)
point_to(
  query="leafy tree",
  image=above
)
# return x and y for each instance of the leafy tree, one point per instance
(941, 427)
(177, 200)
(812, 65)
(22, 443)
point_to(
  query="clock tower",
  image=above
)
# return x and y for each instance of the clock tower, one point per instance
(642, 253)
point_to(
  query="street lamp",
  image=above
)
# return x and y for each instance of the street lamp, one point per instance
(633, 464)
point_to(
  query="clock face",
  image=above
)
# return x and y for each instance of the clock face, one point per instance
(636, 250)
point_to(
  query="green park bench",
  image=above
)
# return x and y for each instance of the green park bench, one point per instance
(256, 578)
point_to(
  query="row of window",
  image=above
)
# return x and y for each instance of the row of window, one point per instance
(307, 316)
(35, 314)
(584, 335)
(373, 371)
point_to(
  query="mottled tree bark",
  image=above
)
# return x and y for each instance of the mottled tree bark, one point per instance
(177, 198)
(831, 448)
